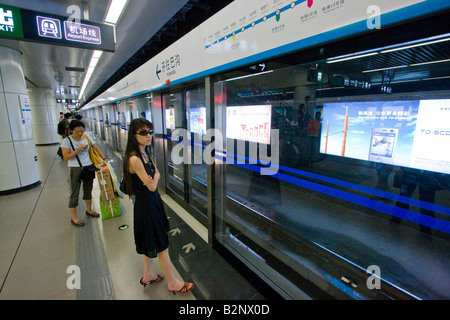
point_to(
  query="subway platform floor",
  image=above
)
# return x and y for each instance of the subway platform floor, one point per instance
(45, 257)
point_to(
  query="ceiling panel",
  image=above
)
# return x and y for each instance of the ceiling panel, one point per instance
(45, 65)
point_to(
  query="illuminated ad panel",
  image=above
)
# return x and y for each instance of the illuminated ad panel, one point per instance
(170, 119)
(413, 133)
(249, 123)
(197, 120)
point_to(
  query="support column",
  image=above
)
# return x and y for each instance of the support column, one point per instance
(18, 157)
(45, 116)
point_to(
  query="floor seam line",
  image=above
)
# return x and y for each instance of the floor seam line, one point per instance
(28, 223)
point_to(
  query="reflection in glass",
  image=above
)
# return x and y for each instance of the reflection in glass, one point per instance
(363, 179)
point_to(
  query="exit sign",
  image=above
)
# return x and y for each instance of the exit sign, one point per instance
(10, 22)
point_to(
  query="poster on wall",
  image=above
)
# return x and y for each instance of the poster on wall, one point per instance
(431, 150)
(249, 123)
(198, 120)
(25, 108)
(148, 115)
(410, 133)
(170, 119)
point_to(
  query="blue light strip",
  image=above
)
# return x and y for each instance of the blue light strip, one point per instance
(359, 200)
(366, 202)
(357, 187)
(389, 209)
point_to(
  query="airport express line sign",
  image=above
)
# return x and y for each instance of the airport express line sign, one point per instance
(27, 25)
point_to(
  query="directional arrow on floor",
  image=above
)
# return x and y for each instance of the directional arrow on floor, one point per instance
(173, 232)
(187, 248)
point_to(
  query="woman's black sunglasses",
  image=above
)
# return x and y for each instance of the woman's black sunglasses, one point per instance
(145, 132)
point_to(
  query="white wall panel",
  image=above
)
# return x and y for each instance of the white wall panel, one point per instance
(17, 147)
(53, 111)
(8, 169)
(38, 105)
(27, 162)
(11, 67)
(5, 128)
(43, 134)
(45, 116)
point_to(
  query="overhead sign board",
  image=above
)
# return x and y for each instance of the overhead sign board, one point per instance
(80, 32)
(67, 101)
(47, 28)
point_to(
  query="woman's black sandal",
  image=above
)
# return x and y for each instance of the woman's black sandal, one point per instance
(77, 224)
(94, 215)
(158, 279)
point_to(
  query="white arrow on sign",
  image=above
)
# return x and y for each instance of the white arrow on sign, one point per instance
(174, 231)
(188, 247)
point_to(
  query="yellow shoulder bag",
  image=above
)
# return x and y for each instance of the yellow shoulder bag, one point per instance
(93, 154)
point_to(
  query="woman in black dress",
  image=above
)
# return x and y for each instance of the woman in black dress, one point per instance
(151, 226)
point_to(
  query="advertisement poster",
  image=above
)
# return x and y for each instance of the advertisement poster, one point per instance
(25, 107)
(198, 120)
(249, 123)
(170, 119)
(431, 149)
(405, 133)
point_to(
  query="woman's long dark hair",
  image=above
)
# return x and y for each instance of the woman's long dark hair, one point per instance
(132, 149)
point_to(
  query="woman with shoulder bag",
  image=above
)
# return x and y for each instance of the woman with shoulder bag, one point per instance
(81, 169)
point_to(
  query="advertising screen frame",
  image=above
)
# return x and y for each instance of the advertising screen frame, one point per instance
(420, 129)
